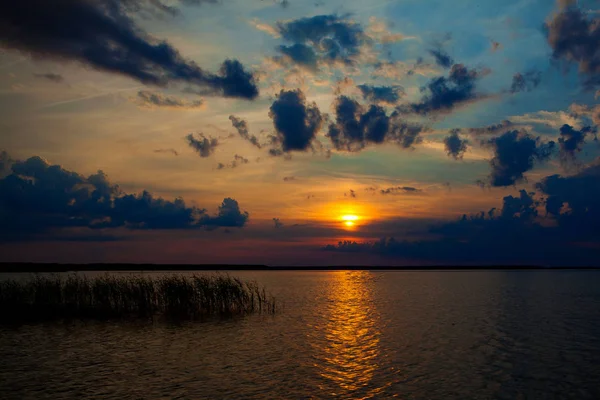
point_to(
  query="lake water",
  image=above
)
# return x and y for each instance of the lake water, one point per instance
(349, 335)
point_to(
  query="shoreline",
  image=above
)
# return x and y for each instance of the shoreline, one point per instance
(98, 267)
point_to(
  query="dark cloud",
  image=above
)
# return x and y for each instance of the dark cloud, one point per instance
(522, 207)
(442, 58)
(203, 146)
(515, 234)
(525, 82)
(348, 133)
(242, 128)
(382, 94)
(326, 39)
(170, 151)
(514, 154)
(57, 78)
(102, 34)
(350, 193)
(509, 236)
(455, 146)
(400, 190)
(37, 196)
(575, 200)
(237, 161)
(278, 224)
(149, 99)
(5, 163)
(289, 178)
(235, 81)
(571, 141)
(443, 94)
(296, 122)
(574, 37)
(491, 129)
(302, 55)
(229, 215)
(404, 134)
(355, 127)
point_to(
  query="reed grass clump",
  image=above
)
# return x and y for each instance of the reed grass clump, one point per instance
(74, 296)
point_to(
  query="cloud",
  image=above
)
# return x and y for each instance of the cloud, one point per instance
(379, 31)
(516, 233)
(170, 151)
(203, 146)
(550, 119)
(56, 78)
(355, 127)
(242, 128)
(277, 223)
(574, 200)
(237, 160)
(350, 193)
(102, 35)
(571, 140)
(400, 190)
(575, 38)
(296, 122)
(455, 146)
(5, 163)
(321, 39)
(490, 129)
(147, 99)
(398, 69)
(37, 196)
(389, 95)
(444, 94)
(442, 58)
(485, 238)
(514, 154)
(265, 28)
(591, 113)
(229, 215)
(301, 54)
(525, 82)
(289, 178)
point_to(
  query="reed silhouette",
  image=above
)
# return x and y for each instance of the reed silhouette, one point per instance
(60, 297)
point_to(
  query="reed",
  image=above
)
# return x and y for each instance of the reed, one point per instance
(73, 296)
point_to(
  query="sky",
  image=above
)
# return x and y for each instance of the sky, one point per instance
(292, 132)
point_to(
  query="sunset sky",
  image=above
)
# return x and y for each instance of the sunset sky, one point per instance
(300, 132)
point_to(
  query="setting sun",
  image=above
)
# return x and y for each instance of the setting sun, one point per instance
(349, 220)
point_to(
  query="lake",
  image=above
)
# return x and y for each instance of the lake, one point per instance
(342, 334)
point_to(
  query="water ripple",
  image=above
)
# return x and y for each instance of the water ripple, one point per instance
(347, 335)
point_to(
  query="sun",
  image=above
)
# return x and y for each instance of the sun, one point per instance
(349, 220)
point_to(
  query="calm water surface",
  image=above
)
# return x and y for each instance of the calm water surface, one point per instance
(354, 335)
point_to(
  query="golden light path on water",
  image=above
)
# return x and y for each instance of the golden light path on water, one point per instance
(350, 349)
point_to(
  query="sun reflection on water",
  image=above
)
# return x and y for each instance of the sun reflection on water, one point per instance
(351, 347)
